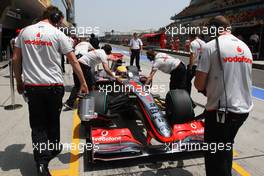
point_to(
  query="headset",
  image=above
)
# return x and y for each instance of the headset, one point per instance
(56, 17)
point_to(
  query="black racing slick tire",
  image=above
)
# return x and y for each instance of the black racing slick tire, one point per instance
(179, 106)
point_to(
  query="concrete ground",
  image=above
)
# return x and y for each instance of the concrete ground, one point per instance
(16, 157)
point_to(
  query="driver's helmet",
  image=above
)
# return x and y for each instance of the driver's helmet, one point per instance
(121, 71)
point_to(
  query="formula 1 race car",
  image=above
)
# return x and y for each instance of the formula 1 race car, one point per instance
(127, 121)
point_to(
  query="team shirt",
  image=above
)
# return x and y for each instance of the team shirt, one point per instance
(165, 63)
(237, 65)
(41, 46)
(94, 58)
(135, 43)
(83, 48)
(195, 48)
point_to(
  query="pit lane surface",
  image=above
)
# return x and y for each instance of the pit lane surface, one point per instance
(16, 151)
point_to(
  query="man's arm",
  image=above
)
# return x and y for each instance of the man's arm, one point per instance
(200, 81)
(17, 63)
(141, 44)
(191, 61)
(78, 71)
(150, 77)
(109, 72)
(107, 69)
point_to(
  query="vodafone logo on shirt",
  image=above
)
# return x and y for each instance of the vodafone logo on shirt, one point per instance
(38, 41)
(240, 58)
(240, 51)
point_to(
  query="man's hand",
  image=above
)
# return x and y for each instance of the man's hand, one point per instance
(148, 81)
(20, 87)
(119, 80)
(150, 77)
(84, 89)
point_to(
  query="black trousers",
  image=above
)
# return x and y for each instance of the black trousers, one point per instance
(135, 53)
(190, 75)
(178, 78)
(89, 78)
(220, 162)
(45, 105)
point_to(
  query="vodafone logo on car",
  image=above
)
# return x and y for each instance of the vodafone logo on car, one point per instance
(104, 133)
(104, 137)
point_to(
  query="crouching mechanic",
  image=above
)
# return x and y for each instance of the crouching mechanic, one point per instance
(88, 62)
(169, 65)
(37, 57)
(224, 75)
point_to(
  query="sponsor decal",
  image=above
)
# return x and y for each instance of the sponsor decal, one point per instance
(240, 51)
(198, 131)
(238, 59)
(38, 41)
(105, 138)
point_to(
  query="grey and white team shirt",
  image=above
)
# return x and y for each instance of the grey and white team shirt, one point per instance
(165, 63)
(236, 59)
(196, 48)
(41, 45)
(93, 58)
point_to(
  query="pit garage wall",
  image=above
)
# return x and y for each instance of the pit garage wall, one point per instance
(17, 14)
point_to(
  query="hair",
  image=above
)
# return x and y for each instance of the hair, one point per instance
(107, 48)
(92, 35)
(53, 14)
(219, 21)
(151, 54)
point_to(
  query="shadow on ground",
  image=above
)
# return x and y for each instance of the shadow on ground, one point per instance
(13, 158)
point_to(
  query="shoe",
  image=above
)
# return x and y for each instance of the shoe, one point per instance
(43, 170)
(139, 70)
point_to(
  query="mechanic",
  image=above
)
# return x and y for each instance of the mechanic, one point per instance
(195, 50)
(136, 46)
(224, 75)
(37, 57)
(167, 64)
(88, 63)
(83, 47)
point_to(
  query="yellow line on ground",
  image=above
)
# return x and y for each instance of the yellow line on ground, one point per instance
(235, 154)
(240, 169)
(74, 161)
(74, 158)
(60, 172)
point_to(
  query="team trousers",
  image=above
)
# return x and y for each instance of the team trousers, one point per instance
(45, 103)
(135, 53)
(218, 160)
